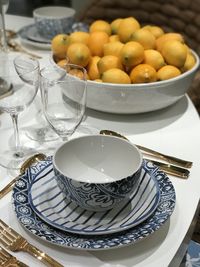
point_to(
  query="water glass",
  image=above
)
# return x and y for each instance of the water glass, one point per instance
(64, 97)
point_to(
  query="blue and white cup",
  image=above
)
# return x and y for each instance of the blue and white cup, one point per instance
(97, 171)
(53, 20)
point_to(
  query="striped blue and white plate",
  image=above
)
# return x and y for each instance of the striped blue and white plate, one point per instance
(50, 204)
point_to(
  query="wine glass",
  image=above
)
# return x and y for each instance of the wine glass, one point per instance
(23, 83)
(3, 8)
(64, 98)
(40, 131)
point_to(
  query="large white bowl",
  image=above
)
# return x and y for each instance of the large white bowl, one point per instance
(139, 98)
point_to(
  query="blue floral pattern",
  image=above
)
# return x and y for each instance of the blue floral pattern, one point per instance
(97, 197)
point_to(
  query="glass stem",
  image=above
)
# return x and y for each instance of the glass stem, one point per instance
(16, 133)
(3, 28)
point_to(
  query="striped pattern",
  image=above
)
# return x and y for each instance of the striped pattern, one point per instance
(48, 202)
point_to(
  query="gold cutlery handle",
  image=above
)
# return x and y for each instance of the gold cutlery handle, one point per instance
(13, 262)
(20, 264)
(18, 48)
(171, 169)
(170, 159)
(148, 151)
(38, 254)
(8, 187)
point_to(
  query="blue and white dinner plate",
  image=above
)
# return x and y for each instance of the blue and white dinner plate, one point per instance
(50, 204)
(30, 220)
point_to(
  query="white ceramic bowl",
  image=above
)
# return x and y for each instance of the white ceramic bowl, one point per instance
(139, 98)
(52, 20)
(97, 171)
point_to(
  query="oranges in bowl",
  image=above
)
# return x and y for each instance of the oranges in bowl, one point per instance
(131, 68)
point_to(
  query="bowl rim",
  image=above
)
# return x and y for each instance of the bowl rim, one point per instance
(139, 166)
(137, 85)
(70, 12)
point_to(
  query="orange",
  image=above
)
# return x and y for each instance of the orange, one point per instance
(154, 58)
(168, 37)
(131, 54)
(115, 76)
(143, 73)
(62, 63)
(112, 48)
(127, 27)
(92, 68)
(174, 53)
(108, 62)
(79, 54)
(155, 30)
(77, 73)
(115, 25)
(79, 37)
(145, 38)
(167, 72)
(100, 25)
(189, 62)
(59, 45)
(113, 38)
(96, 43)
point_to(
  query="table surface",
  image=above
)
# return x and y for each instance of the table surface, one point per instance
(173, 130)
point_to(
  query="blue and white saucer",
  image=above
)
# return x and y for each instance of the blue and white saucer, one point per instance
(30, 220)
(29, 35)
(50, 204)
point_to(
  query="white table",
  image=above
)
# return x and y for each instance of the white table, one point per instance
(174, 130)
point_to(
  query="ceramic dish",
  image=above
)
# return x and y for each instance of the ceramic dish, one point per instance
(139, 97)
(29, 31)
(33, 35)
(30, 36)
(28, 218)
(48, 202)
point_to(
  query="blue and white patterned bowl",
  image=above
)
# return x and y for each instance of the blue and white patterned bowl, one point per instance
(53, 20)
(97, 171)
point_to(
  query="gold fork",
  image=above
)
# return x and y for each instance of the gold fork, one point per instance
(8, 260)
(13, 241)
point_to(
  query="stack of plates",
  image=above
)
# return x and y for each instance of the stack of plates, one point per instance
(29, 35)
(42, 209)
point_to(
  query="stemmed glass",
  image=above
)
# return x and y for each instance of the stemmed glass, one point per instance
(23, 82)
(64, 98)
(3, 8)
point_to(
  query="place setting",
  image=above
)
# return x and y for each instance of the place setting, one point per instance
(48, 22)
(45, 207)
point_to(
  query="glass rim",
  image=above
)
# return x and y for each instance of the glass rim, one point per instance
(62, 69)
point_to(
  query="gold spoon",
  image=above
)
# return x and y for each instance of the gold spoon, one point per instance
(25, 165)
(168, 168)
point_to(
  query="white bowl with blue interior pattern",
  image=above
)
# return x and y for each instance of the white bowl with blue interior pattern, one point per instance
(97, 171)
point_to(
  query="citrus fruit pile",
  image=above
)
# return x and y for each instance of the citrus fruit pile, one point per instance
(123, 51)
